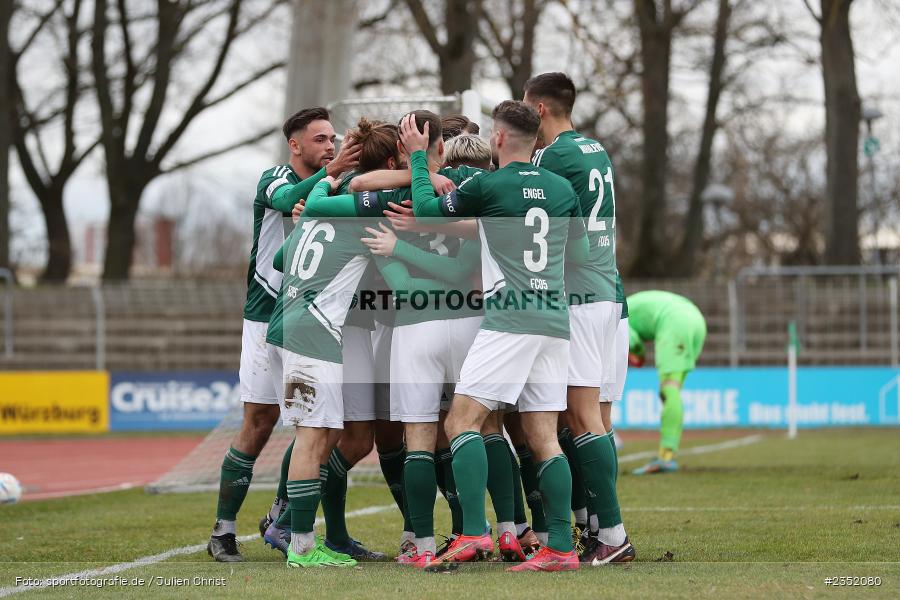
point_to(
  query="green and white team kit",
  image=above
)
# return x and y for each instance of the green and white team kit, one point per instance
(526, 221)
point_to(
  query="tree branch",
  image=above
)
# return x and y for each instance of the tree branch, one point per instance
(425, 26)
(812, 11)
(238, 144)
(42, 22)
(251, 79)
(197, 105)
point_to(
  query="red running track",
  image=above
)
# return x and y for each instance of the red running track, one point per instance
(57, 468)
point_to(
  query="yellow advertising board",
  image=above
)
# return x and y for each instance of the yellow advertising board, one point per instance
(54, 402)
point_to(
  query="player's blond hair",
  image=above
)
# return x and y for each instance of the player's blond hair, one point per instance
(467, 149)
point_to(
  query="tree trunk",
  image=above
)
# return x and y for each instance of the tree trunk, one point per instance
(656, 47)
(457, 57)
(6, 116)
(59, 245)
(120, 234)
(842, 114)
(685, 263)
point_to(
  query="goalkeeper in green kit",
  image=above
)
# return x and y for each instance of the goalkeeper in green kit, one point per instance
(677, 329)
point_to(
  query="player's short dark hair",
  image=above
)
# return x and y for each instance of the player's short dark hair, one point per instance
(300, 119)
(555, 90)
(434, 124)
(378, 141)
(454, 125)
(519, 116)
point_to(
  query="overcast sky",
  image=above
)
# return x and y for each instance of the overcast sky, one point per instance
(229, 181)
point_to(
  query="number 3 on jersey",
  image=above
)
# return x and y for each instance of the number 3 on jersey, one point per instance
(595, 183)
(309, 245)
(536, 265)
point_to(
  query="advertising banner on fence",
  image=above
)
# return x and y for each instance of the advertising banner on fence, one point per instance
(54, 402)
(184, 400)
(757, 397)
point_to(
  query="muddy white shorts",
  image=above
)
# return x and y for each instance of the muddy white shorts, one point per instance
(311, 387)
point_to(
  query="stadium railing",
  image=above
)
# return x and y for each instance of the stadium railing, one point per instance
(844, 315)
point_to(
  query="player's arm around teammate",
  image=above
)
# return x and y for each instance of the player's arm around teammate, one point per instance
(490, 376)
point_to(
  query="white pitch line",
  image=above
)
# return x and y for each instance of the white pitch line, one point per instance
(675, 509)
(157, 558)
(27, 496)
(727, 445)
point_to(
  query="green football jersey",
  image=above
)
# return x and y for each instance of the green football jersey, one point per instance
(526, 217)
(424, 298)
(585, 163)
(673, 323)
(324, 262)
(269, 224)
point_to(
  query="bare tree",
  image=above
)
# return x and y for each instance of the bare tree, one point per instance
(685, 260)
(134, 139)
(459, 28)
(842, 114)
(512, 44)
(6, 116)
(36, 120)
(657, 22)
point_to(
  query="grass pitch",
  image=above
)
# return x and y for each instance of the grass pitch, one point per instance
(775, 518)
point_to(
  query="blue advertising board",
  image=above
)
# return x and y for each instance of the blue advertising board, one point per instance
(758, 397)
(713, 398)
(181, 400)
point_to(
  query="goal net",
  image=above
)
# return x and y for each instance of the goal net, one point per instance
(200, 469)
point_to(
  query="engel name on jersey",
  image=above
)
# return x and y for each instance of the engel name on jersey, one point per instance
(586, 165)
(263, 280)
(525, 216)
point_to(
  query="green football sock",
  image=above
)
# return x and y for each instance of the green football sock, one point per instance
(284, 520)
(555, 480)
(579, 496)
(303, 500)
(612, 441)
(445, 462)
(334, 499)
(234, 481)
(500, 478)
(598, 465)
(671, 419)
(420, 488)
(518, 499)
(530, 486)
(392, 469)
(470, 470)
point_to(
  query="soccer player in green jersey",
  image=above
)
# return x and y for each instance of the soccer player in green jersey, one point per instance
(593, 311)
(310, 139)
(520, 354)
(677, 329)
(429, 342)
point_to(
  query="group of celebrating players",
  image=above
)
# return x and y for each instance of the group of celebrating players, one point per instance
(435, 291)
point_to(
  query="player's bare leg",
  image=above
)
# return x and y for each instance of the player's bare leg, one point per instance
(312, 445)
(391, 457)
(447, 483)
(470, 469)
(596, 456)
(420, 488)
(500, 485)
(237, 471)
(530, 538)
(555, 482)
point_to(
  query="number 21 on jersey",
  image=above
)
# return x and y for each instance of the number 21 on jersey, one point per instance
(595, 184)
